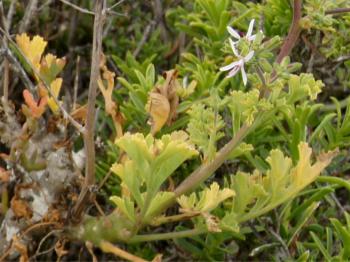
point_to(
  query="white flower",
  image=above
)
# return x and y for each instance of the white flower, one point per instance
(248, 36)
(237, 65)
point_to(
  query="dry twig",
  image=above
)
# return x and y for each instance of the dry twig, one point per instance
(78, 8)
(89, 142)
(28, 15)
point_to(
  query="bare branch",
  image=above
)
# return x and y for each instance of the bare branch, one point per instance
(80, 9)
(293, 33)
(145, 36)
(89, 141)
(16, 66)
(6, 80)
(10, 13)
(76, 83)
(28, 15)
(338, 11)
(115, 5)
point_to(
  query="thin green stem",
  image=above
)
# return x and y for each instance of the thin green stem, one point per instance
(332, 107)
(206, 170)
(334, 180)
(169, 219)
(165, 236)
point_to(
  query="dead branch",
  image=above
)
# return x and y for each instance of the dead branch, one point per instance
(89, 142)
(28, 15)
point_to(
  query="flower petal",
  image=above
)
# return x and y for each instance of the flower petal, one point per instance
(233, 32)
(248, 56)
(250, 28)
(234, 71)
(244, 75)
(230, 66)
(234, 49)
(251, 38)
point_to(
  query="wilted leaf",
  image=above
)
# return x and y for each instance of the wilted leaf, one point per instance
(212, 222)
(305, 173)
(163, 101)
(4, 175)
(159, 108)
(59, 248)
(21, 248)
(80, 113)
(21, 208)
(258, 194)
(106, 86)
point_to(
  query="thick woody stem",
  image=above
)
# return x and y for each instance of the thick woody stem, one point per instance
(293, 33)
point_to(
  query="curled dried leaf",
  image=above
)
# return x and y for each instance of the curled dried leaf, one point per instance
(163, 101)
(159, 108)
(21, 208)
(21, 248)
(4, 175)
(106, 86)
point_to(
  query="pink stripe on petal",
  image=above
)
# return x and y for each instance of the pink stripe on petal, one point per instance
(233, 72)
(229, 66)
(251, 38)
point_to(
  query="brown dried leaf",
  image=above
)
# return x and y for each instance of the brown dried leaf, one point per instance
(59, 248)
(159, 108)
(79, 114)
(163, 102)
(212, 222)
(21, 248)
(4, 175)
(90, 248)
(106, 86)
(21, 208)
(157, 258)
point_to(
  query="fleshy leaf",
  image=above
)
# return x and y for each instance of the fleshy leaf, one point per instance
(37, 108)
(209, 199)
(257, 194)
(204, 129)
(126, 206)
(158, 200)
(50, 67)
(150, 162)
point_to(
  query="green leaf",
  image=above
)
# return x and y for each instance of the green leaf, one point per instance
(126, 206)
(320, 246)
